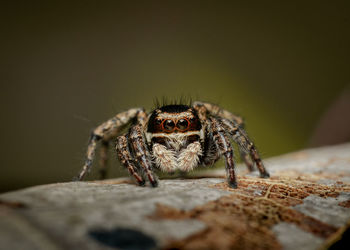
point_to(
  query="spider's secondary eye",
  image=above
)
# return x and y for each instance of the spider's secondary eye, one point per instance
(182, 124)
(168, 125)
(158, 121)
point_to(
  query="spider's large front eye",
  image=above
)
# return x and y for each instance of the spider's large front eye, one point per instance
(182, 124)
(168, 125)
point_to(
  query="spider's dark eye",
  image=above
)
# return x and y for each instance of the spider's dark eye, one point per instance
(158, 121)
(182, 124)
(168, 125)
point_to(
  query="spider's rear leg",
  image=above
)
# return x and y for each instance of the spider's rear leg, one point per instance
(126, 159)
(246, 159)
(245, 144)
(107, 131)
(103, 159)
(256, 157)
(225, 148)
(141, 153)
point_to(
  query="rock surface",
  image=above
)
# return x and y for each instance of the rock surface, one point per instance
(304, 205)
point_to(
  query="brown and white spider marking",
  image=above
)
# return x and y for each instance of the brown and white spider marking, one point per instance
(174, 137)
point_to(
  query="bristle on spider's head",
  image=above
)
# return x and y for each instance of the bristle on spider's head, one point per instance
(174, 108)
(164, 101)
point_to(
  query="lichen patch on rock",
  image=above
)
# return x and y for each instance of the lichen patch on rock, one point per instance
(245, 218)
(315, 205)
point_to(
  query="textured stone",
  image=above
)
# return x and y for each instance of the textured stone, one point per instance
(327, 209)
(81, 207)
(291, 237)
(305, 204)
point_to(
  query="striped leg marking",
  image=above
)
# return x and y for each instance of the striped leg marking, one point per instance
(245, 145)
(141, 153)
(225, 149)
(215, 110)
(107, 131)
(126, 159)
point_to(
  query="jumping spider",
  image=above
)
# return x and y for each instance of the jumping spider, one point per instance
(174, 137)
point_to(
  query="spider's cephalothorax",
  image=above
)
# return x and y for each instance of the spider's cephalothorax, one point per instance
(174, 131)
(174, 137)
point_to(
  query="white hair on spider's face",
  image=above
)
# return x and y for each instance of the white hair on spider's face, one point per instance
(175, 133)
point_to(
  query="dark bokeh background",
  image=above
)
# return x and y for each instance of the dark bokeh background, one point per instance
(66, 67)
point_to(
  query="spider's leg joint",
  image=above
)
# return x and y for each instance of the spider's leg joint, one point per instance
(95, 137)
(88, 162)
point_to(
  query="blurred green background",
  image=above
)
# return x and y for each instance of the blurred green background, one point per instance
(68, 66)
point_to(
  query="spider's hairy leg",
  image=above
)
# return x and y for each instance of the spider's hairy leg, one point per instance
(141, 153)
(211, 153)
(246, 159)
(215, 110)
(103, 159)
(107, 131)
(126, 159)
(245, 144)
(89, 156)
(225, 148)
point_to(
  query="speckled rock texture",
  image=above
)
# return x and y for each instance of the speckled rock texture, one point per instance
(304, 205)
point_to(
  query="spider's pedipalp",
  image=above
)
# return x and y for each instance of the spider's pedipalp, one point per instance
(106, 131)
(169, 160)
(164, 158)
(189, 157)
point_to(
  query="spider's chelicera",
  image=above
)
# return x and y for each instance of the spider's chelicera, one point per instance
(171, 138)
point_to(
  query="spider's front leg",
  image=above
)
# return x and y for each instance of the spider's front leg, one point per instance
(107, 131)
(141, 154)
(125, 157)
(204, 108)
(224, 146)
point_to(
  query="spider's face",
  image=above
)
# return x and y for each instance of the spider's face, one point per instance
(174, 119)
